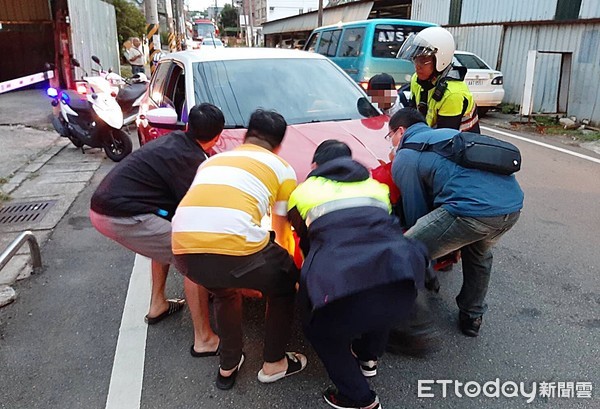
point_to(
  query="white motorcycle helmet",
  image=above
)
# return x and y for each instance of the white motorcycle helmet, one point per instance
(435, 41)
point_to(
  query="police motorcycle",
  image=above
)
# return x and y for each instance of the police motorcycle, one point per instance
(129, 91)
(90, 115)
(130, 97)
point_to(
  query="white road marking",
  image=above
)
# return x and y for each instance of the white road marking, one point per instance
(125, 390)
(545, 145)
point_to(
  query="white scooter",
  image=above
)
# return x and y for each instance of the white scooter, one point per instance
(91, 116)
(129, 92)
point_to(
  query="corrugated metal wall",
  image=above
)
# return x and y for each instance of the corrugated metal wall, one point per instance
(94, 32)
(589, 9)
(483, 41)
(434, 11)
(582, 40)
(493, 11)
(18, 11)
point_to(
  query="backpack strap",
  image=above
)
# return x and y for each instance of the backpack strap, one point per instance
(418, 146)
(443, 148)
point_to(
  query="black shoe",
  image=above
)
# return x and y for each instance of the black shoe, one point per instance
(227, 382)
(337, 400)
(469, 326)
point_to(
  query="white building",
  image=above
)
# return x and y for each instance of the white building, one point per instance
(269, 10)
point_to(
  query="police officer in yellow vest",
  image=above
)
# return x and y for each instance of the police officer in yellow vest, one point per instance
(360, 275)
(437, 88)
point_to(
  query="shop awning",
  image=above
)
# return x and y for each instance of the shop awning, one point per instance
(308, 21)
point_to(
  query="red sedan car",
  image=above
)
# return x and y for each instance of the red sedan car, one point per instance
(317, 99)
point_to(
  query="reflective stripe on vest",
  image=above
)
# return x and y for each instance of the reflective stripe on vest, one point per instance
(316, 191)
(340, 204)
(469, 120)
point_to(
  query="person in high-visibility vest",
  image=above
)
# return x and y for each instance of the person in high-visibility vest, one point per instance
(437, 88)
(360, 275)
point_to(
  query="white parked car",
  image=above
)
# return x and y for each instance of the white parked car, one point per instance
(484, 82)
(212, 43)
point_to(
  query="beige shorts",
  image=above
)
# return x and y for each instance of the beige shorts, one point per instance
(145, 234)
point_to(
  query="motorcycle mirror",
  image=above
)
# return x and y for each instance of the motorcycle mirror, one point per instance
(96, 59)
(161, 116)
(75, 62)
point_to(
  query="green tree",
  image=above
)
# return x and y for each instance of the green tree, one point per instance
(228, 23)
(130, 21)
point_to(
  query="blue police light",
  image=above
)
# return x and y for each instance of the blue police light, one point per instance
(65, 97)
(52, 92)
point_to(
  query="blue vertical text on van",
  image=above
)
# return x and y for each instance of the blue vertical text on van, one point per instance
(366, 48)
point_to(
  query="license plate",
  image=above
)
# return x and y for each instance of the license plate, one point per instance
(475, 82)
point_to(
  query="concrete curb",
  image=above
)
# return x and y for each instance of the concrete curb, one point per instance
(47, 177)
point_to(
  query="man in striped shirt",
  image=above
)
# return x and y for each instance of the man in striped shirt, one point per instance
(218, 242)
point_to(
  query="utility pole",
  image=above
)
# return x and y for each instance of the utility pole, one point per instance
(179, 23)
(320, 14)
(251, 7)
(152, 31)
(171, 25)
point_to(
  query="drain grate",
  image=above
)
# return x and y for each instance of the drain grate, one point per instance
(24, 212)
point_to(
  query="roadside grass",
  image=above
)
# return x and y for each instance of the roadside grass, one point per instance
(4, 197)
(549, 125)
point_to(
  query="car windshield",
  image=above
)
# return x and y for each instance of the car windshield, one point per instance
(302, 90)
(471, 62)
(212, 42)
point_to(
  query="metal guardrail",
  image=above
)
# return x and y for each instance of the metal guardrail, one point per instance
(13, 248)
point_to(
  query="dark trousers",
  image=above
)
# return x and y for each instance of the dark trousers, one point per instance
(362, 321)
(136, 69)
(270, 271)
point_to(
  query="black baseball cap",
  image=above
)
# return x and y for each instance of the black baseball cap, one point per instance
(381, 81)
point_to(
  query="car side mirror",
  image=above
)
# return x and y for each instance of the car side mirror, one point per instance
(160, 117)
(365, 108)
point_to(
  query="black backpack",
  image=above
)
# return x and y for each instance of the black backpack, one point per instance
(475, 151)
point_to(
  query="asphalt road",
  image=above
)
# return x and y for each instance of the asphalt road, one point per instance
(58, 340)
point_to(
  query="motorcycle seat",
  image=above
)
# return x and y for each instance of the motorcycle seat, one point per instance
(77, 102)
(129, 94)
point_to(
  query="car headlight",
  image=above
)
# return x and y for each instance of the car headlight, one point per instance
(498, 81)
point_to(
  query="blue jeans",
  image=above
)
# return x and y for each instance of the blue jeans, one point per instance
(443, 233)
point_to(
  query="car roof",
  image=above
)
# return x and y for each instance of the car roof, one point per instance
(376, 21)
(463, 52)
(235, 53)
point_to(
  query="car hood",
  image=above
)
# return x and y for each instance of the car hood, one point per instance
(364, 136)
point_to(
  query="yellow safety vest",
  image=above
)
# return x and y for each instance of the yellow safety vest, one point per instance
(318, 191)
(451, 103)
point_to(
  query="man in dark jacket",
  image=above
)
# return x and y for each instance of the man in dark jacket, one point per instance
(360, 275)
(135, 202)
(449, 207)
